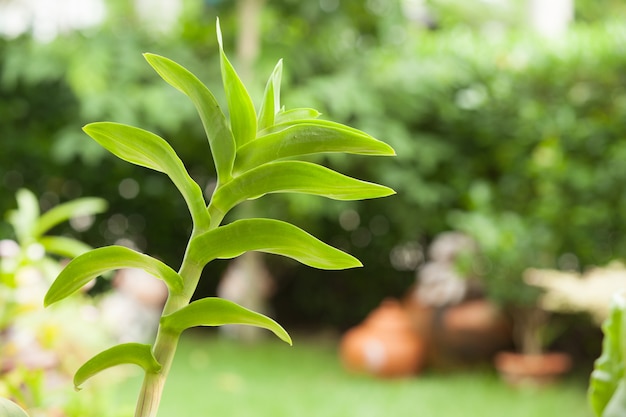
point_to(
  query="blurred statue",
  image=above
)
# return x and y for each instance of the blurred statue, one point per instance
(440, 281)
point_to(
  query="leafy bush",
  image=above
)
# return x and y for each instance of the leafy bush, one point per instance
(536, 123)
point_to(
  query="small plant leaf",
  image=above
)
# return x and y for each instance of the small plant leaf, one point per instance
(607, 388)
(66, 211)
(214, 311)
(88, 266)
(298, 177)
(270, 236)
(271, 98)
(146, 149)
(286, 116)
(9, 409)
(64, 246)
(25, 217)
(127, 353)
(311, 136)
(240, 107)
(215, 125)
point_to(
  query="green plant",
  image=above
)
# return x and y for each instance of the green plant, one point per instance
(607, 388)
(33, 340)
(253, 155)
(509, 245)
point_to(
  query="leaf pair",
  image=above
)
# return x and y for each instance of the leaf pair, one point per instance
(204, 312)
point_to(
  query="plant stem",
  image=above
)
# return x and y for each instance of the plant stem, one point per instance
(167, 341)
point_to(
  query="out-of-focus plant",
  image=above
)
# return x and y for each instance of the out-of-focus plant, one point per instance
(254, 154)
(607, 388)
(33, 342)
(538, 120)
(509, 245)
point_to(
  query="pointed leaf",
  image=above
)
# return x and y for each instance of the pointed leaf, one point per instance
(240, 106)
(295, 114)
(218, 133)
(127, 353)
(64, 246)
(66, 211)
(314, 136)
(213, 311)
(294, 176)
(270, 236)
(146, 149)
(89, 265)
(271, 98)
(608, 379)
(9, 409)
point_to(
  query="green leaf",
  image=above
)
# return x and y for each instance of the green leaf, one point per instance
(146, 149)
(64, 246)
(294, 176)
(25, 217)
(240, 106)
(66, 211)
(213, 311)
(215, 125)
(9, 409)
(89, 265)
(270, 236)
(312, 136)
(608, 373)
(127, 353)
(295, 115)
(271, 98)
(616, 407)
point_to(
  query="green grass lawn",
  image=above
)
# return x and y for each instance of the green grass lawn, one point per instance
(215, 377)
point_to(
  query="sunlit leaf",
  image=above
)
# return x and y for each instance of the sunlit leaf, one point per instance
(25, 217)
(127, 353)
(9, 409)
(213, 311)
(64, 246)
(314, 136)
(298, 177)
(295, 114)
(146, 149)
(88, 266)
(270, 236)
(607, 388)
(240, 107)
(271, 98)
(215, 125)
(66, 211)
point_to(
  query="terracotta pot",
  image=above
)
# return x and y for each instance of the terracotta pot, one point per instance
(384, 345)
(461, 335)
(541, 369)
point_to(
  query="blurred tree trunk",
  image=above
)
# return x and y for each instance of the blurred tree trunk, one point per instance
(248, 42)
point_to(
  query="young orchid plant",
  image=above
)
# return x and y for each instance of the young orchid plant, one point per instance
(254, 154)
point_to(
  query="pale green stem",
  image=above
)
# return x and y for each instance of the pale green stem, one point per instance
(166, 342)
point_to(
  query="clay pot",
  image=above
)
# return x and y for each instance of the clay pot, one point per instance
(540, 369)
(384, 345)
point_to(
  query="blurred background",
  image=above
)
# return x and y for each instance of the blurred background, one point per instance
(508, 118)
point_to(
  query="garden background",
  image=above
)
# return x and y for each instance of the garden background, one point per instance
(495, 126)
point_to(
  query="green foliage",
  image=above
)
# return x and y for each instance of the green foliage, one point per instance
(214, 311)
(607, 388)
(238, 160)
(27, 268)
(538, 121)
(10, 409)
(122, 354)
